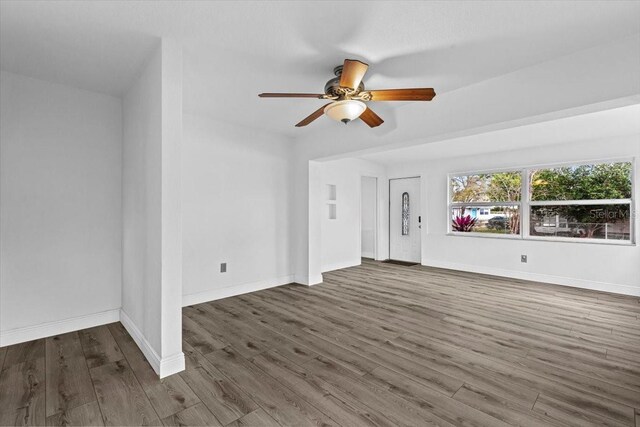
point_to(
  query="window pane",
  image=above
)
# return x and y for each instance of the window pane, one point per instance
(582, 182)
(494, 219)
(610, 222)
(494, 187)
(405, 214)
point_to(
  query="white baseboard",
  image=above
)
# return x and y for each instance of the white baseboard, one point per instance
(162, 366)
(172, 365)
(230, 291)
(309, 280)
(368, 255)
(341, 265)
(536, 277)
(29, 333)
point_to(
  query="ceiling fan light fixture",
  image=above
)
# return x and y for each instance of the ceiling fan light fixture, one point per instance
(345, 111)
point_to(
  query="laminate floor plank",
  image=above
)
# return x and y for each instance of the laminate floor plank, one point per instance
(571, 415)
(170, 395)
(22, 394)
(631, 333)
(502, 409)
(199, 337)
(297, 308)
(612, 371)
(121, 398)
(24, 352)
(99, 346)
(85, 415)
(282, 404)
(347, 358)
(219, 394)
(258, 418)
(444, 407)
(420, 370)
(247, 345)
(348, 386)
(267, 338)
(609, 341)
(414, 364)
(273, 314)
(316, 392)
(330, 315)
(68, 383)
(580, 381)
(196, 415)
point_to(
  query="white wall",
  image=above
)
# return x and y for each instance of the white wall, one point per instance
(60, 208)
(171, 289)
(152, 253)
(611, 268)
(340, 237)
(141, 175)
(236, 198)
(368, 216)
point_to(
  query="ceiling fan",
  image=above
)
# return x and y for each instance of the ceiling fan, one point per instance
(346, 92)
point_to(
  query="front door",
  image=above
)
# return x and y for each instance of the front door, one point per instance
(404, 219)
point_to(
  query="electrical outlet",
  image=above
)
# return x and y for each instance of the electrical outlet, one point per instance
(223, 267)
(523, 258)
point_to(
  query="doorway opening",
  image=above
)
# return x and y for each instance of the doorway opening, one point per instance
(368, 217)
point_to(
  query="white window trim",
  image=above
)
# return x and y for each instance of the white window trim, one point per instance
(525, 204)
(581, 202)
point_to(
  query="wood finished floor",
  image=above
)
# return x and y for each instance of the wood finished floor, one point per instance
(378, 344)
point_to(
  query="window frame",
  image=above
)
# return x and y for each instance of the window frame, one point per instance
(525, 204)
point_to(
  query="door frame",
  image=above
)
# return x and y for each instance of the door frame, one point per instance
(389, 212)
(377, 217)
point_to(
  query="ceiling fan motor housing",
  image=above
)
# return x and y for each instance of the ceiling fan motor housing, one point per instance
(333, 88)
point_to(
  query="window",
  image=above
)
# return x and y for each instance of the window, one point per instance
(589, 202)
(486, 203)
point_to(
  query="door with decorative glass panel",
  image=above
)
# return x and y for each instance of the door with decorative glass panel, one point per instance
(404, 219)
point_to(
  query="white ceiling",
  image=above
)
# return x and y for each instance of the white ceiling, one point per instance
(234, 50)
(594, 126)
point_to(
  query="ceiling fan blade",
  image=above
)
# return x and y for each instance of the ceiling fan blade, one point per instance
(352, 73)
(417, 94)
(371, 118)
(291, 95)
(311, 117)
